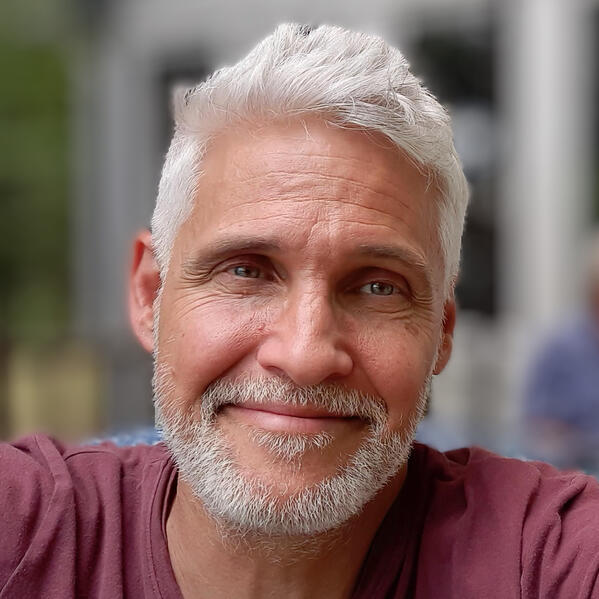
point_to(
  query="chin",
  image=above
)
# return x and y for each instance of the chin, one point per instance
(289, 463)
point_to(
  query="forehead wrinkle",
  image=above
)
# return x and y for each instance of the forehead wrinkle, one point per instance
(298, 193)
(328, 203)
(323, 211)
(335, 160)
(389, 160)
(290, 180)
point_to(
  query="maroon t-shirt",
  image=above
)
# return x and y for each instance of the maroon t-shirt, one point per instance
(90, 522)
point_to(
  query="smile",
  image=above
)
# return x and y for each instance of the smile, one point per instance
(289, 419)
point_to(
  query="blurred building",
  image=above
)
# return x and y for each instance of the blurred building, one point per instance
(518, 78)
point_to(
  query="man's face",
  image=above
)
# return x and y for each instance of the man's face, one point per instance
(311, 258)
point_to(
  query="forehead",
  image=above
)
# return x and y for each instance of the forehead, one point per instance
(314, 185)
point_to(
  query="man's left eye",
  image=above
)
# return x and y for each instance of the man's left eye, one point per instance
(378, 288)
(246, 271)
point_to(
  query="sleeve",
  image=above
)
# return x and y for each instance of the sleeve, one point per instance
(36, 517)
(560, 542)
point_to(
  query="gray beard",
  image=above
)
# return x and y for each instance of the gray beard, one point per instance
(246, 505)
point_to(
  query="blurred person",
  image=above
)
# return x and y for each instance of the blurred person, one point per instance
(297, 293)
(561, 404)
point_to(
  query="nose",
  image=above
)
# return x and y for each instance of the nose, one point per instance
(305, 342)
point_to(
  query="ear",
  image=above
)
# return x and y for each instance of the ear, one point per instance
(449, 316)
(144, 283)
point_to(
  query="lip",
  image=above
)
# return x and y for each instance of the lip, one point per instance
(289, 418)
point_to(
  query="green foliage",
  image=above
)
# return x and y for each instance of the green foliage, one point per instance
(34, 185)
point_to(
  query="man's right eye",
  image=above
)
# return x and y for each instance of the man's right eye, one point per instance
(246, 271)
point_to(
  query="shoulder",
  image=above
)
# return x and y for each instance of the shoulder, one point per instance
(36, 462)
(53, 495)
(534, 525)
(35, 469)
(514, 485)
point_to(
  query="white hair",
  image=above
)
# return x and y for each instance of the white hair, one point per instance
(347, 79)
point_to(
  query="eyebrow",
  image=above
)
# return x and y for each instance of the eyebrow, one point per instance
(401, 254)
(222, 248)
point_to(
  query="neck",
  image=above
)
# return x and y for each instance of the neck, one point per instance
(210, 561)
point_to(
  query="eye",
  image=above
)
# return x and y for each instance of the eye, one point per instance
(378, 288)
(246, 271)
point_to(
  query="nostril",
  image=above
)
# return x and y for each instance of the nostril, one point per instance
(279, 372)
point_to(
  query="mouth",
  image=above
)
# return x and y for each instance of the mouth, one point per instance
(290, 418)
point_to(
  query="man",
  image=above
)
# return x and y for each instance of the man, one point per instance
(561, 403)
(297, 294)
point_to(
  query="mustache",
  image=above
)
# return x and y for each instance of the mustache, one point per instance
(336, 399)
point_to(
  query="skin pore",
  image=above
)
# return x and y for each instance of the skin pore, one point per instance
(311, 255)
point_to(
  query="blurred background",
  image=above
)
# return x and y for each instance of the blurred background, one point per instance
(84, 125)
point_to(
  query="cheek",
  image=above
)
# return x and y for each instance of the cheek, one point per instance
(204, 343)
(398, 366)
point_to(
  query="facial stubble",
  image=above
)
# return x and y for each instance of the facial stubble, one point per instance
(244, 503)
